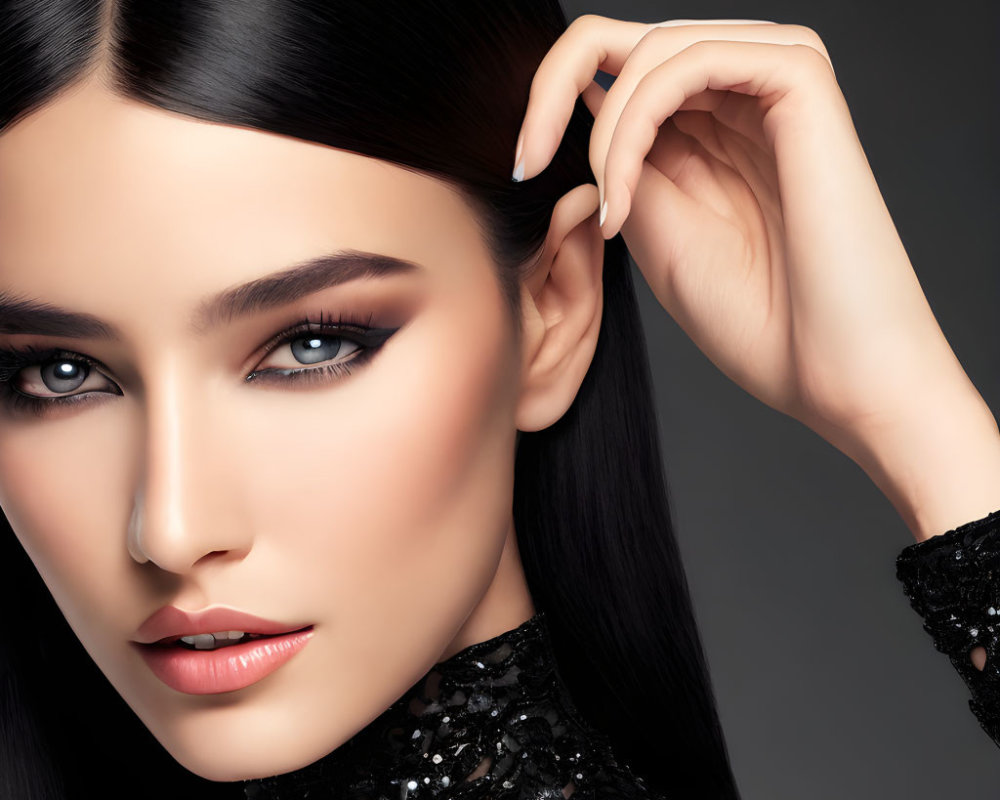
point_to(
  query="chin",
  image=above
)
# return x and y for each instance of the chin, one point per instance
(225, 763)
(219, 745)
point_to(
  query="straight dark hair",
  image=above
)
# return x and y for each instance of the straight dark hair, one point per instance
(439, 87)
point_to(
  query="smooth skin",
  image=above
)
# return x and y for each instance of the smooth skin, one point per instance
(725, 155)
(375, 506)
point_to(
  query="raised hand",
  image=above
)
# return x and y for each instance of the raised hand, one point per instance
(726, 156)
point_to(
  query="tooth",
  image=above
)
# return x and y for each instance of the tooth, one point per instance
(207, 641)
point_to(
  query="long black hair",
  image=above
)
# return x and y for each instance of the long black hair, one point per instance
(439, 87)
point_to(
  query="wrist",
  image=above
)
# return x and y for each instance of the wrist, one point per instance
(937, 462)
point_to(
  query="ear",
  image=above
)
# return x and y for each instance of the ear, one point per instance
(562, 301)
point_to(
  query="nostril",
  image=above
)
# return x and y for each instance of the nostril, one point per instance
(978, 656)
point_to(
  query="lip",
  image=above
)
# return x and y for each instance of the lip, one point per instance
(170, 623)
(227, 669)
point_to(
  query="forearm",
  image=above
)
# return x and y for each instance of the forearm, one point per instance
(938, 464)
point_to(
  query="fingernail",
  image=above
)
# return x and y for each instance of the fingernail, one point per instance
(604, 213)
(518, 174)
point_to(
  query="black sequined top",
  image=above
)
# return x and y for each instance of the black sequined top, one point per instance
(953, 582)
(492, 721)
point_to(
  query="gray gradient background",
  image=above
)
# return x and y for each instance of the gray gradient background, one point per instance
(826, 683)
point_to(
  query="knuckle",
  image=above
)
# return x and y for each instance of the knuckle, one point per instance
(694, 49)
(585, 23)
(654, 38)
(811, 59)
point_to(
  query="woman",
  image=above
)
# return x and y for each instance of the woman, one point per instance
(169, 456)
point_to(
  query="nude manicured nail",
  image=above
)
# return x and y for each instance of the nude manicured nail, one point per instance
(518, 174)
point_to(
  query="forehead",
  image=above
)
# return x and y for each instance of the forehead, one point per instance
(97, 191)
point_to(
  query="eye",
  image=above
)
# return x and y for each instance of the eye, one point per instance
(305, 349)
(57, 377)
(37, 379)
(346, 346)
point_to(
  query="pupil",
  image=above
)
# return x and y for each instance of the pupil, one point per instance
(63, 375)
(315, 349)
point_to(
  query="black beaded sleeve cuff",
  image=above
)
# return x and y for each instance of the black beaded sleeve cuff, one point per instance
(953, 583)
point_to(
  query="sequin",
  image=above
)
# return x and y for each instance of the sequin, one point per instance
(952, 581)
(509, 710)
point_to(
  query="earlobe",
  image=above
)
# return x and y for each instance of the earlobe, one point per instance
(562, 302)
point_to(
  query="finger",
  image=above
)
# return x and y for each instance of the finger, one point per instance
(593, 97)
(588, 44)
(713, 22)
(662, 42)
(766, 70)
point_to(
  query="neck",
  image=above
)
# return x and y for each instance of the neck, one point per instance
(505, 604)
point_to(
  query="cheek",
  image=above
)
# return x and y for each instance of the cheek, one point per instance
(61, 490)
(394, 486)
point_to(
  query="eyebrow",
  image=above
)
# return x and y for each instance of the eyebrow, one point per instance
(19, 315)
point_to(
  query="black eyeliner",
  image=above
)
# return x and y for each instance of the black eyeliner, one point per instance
(346, 326)
(371, 339)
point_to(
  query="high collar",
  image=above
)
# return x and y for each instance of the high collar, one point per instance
(493, 720)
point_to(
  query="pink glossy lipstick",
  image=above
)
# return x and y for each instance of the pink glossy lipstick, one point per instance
(216, 650)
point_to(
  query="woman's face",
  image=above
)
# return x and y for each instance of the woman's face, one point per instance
(365, 494)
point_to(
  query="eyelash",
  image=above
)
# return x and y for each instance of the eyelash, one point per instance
(348, 327)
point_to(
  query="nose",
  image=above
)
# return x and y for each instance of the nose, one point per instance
(185, 505)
